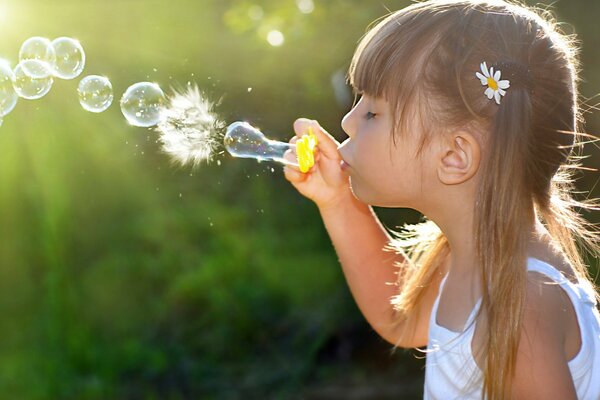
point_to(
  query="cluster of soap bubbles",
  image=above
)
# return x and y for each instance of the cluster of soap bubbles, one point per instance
(42, 60)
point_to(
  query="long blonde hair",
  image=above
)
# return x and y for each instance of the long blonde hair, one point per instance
(431, 50)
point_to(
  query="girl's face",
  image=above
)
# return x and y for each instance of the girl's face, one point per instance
(381, 173)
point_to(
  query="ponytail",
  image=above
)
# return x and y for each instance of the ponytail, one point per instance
(503, 204)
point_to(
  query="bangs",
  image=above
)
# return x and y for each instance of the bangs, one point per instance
(390, 63)
(389, 59)
(373, 65)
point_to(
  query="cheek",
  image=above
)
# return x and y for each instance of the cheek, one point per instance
(386, 176)
(368, 143)
(375, 171)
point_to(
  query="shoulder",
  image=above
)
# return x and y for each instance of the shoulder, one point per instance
(541, 369)
(544, 295)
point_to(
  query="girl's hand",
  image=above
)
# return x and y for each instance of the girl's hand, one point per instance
(325, 183)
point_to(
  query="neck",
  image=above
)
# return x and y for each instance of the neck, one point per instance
(458, 228)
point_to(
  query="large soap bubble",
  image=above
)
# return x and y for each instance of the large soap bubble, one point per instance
(70, 58)
(142, 103)
(8, 96)
(95, 93)
(38, 48)
(28, 86)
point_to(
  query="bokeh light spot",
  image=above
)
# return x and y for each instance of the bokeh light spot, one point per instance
(275, 38)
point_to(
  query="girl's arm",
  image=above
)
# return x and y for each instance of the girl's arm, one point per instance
(358, 238)
(542, 370)
(371, 272)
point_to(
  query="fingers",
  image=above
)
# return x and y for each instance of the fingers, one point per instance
(327, 143)
(293, 175)
(290, 156)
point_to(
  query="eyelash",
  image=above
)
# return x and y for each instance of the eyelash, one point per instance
(370, 115)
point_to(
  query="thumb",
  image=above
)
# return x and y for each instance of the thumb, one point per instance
(327, 144)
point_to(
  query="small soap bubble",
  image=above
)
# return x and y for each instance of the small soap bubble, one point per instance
(70, 58)
(29, 87)
(249, 89)
(38, 48)
(8, 95)
(95, 93)
(142, 103)
(36, 69)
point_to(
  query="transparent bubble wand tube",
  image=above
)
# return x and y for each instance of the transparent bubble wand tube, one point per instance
(245, 141)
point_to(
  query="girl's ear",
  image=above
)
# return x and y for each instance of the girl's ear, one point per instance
(459, 159)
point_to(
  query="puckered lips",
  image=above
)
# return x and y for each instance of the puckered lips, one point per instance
(344, 165)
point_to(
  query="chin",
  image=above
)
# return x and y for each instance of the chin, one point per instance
(365, 196)
(357, 192)
(372, 199)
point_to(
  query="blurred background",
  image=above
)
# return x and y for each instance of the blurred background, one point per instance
(123, 276)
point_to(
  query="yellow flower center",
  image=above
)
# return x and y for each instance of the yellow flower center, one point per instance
(492, 84)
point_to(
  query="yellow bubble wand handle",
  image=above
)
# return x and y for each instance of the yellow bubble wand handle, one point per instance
(305, 150)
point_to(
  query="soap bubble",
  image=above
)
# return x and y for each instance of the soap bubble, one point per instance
(32, 87)
(142, 103)
(36, 69)
(70, 58)
(95, 93)
(8, 96)
(37, 48)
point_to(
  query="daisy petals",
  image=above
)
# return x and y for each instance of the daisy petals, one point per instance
(482, 78)
(484, 69)
(487, 76)
(497, 97)
(504, 84)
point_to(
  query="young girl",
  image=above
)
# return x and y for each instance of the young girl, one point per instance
(469, 114)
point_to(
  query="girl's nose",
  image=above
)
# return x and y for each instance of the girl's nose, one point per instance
(348, 123)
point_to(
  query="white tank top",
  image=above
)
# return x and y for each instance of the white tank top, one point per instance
(451, 371)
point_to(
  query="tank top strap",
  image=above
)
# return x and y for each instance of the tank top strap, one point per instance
(583, 290)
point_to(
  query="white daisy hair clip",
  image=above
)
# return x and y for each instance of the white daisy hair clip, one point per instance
(519, 74)
(490, 78)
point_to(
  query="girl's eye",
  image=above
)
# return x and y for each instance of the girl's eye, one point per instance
(370, 115)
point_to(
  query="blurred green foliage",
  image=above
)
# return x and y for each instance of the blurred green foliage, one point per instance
(122, 276)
